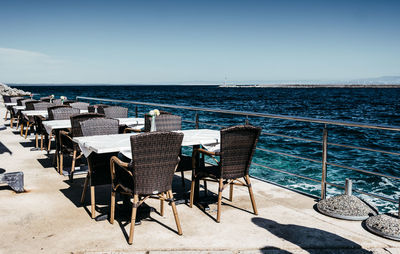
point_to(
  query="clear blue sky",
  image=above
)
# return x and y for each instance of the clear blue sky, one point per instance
(178, 41)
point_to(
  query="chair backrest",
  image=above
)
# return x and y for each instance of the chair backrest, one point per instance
(99, 126)
(163, 122)
(80, 105)
(7, 98)
(238, 144)
(45, 99)
(113, 111)
(77, 119)
(42, 105)
(15, 99)
(61, 112)
(57, 102)
(91, 108)
(29, 105)
(154, 159)
(22, 101)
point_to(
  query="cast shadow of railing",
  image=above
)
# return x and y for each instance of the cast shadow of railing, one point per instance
(311, 239)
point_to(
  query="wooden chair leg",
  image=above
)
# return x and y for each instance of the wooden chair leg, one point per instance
(112, 208)
(192, 192)
(36, 140)
(221, 184)
(26, 131)
(5, 118)
(71, 173)
(12, 122)
(253, 201)
(93, 202)
(231, 192)
(41, 142)
(61, 166)
(178, 224)
(49, 144)
(133, 218)
(162, 205)
(84, 188)
(22, 130)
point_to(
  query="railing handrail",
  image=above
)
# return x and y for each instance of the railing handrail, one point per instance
(324, 141)
(248, 113)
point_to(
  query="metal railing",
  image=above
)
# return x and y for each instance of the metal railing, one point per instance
(324, 142)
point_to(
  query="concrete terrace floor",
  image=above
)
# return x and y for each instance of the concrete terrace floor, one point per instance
(48, 218)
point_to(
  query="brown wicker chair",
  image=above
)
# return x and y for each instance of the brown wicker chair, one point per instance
(60, 112)
(13, 114)
(80, 105)
(147, 176)
(238, 144)
(29, 121)
(68, 146)
(113, 111)
(39, 128)
(92, 108)
(99, 164)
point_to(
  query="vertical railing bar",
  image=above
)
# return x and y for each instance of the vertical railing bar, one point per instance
(324, 159)
(247, 120)
(197, 120)
(136, 111)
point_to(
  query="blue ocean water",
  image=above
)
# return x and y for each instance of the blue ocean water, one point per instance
(366, 105)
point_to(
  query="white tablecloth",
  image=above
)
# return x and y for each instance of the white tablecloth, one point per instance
(66, 124)
(16, 108)
(35, 113)
(10, 104)
(121, 142)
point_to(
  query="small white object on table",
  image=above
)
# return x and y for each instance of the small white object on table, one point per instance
(121, 142)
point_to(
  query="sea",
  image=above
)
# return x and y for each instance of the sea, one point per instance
(376, 106)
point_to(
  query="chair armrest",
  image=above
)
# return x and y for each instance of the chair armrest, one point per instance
(203, 151)
(131, 130)
(64, 134)
(123, 165)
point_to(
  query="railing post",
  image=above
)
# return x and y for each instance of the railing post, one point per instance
(136, 111)
(197, 120)
(247, 120)
(324, 157)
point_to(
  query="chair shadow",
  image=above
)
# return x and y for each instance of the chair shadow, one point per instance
(307, 237)
(28, 144)
(4, 149)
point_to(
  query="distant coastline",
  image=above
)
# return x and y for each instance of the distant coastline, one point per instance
(311, 86)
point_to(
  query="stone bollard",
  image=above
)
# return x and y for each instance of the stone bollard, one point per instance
(15, 180)
(348, 189)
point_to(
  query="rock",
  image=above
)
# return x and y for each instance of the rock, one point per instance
(6, 90)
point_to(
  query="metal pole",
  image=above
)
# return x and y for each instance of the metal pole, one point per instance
(324, 156)
(136, 112)
(348, 188)
(197, 120)
(247, 120)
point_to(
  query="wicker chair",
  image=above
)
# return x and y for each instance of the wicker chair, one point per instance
(21, 120)
(45, 99)
(147, 176)
(13, 114)
(99, 164)
(92, 108)
(238, 144)
(39, 128)
(28, 121)
(67, 146)
(80, 105)
(113, 111)
(61, 112)
(7, 99)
